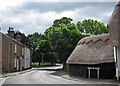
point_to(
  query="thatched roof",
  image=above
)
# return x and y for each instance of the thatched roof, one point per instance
(92, 50)
(94, 38)
(114, 26)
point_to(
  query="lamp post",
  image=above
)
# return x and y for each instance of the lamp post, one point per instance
(9, 49)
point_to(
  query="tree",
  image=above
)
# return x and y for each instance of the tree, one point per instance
(35, 39)
(45, 48)
(41, 47)
(60, 39)
(63, 36)
(63, 20)
(23, 39)
(92, 27)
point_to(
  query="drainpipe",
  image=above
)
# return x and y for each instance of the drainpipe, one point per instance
(9, 48)
(116, 61)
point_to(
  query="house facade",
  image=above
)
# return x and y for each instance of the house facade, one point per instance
(13, 54)
(27, 60)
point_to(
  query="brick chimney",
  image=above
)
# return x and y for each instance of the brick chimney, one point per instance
(11, 32)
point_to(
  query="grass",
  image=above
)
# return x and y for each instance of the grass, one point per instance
(36, 65)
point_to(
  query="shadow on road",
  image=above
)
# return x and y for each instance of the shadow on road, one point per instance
(49, 69)
(59, 72)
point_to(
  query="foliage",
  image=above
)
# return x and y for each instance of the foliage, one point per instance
(45, 49)
(35, 39)
(36, 65)
(41, 49)
(60, 39)
(92, 27)
(63, 36)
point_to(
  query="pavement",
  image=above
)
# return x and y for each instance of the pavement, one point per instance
(61, 73)
(15, 73)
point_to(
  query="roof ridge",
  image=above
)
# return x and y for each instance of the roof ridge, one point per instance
(94, 38)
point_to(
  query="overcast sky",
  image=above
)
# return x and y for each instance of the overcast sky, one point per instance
(36, 16)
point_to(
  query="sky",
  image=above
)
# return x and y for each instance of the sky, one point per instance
(37, 15)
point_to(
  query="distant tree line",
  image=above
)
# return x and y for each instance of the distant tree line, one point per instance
(60, 39)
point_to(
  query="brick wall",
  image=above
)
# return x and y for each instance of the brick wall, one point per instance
(9, 56)
(7, 48)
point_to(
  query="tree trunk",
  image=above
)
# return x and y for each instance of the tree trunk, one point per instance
(39, 63)
(51, 62)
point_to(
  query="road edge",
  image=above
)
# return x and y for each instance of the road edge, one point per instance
(15, 73)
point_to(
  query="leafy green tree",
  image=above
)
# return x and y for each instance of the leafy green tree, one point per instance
(63, 36)
(41, 49)
(44, 50)
(60, 39)
(35, 39)
(92, 27)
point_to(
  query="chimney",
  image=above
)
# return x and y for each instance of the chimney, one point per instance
(11, 32)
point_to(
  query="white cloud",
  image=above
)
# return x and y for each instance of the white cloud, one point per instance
(4, 4)
(72, 1)
(30, 21)
(37, 22)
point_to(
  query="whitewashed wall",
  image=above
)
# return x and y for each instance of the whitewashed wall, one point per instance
(118, 60)
(27, 58)
(0, 51)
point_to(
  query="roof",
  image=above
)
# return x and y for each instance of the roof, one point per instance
(94, 38)
(114, 26)
(12, 39)
(92, 50)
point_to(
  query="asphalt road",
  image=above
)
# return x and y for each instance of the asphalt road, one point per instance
(38, 77)
(44, 78)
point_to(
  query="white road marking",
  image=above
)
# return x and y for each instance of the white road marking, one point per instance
(3, 80)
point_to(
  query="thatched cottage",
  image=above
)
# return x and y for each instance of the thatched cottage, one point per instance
(92, 57)
(114, 30)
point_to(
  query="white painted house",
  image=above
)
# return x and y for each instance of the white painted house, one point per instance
(0, 52)
(27, 59)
